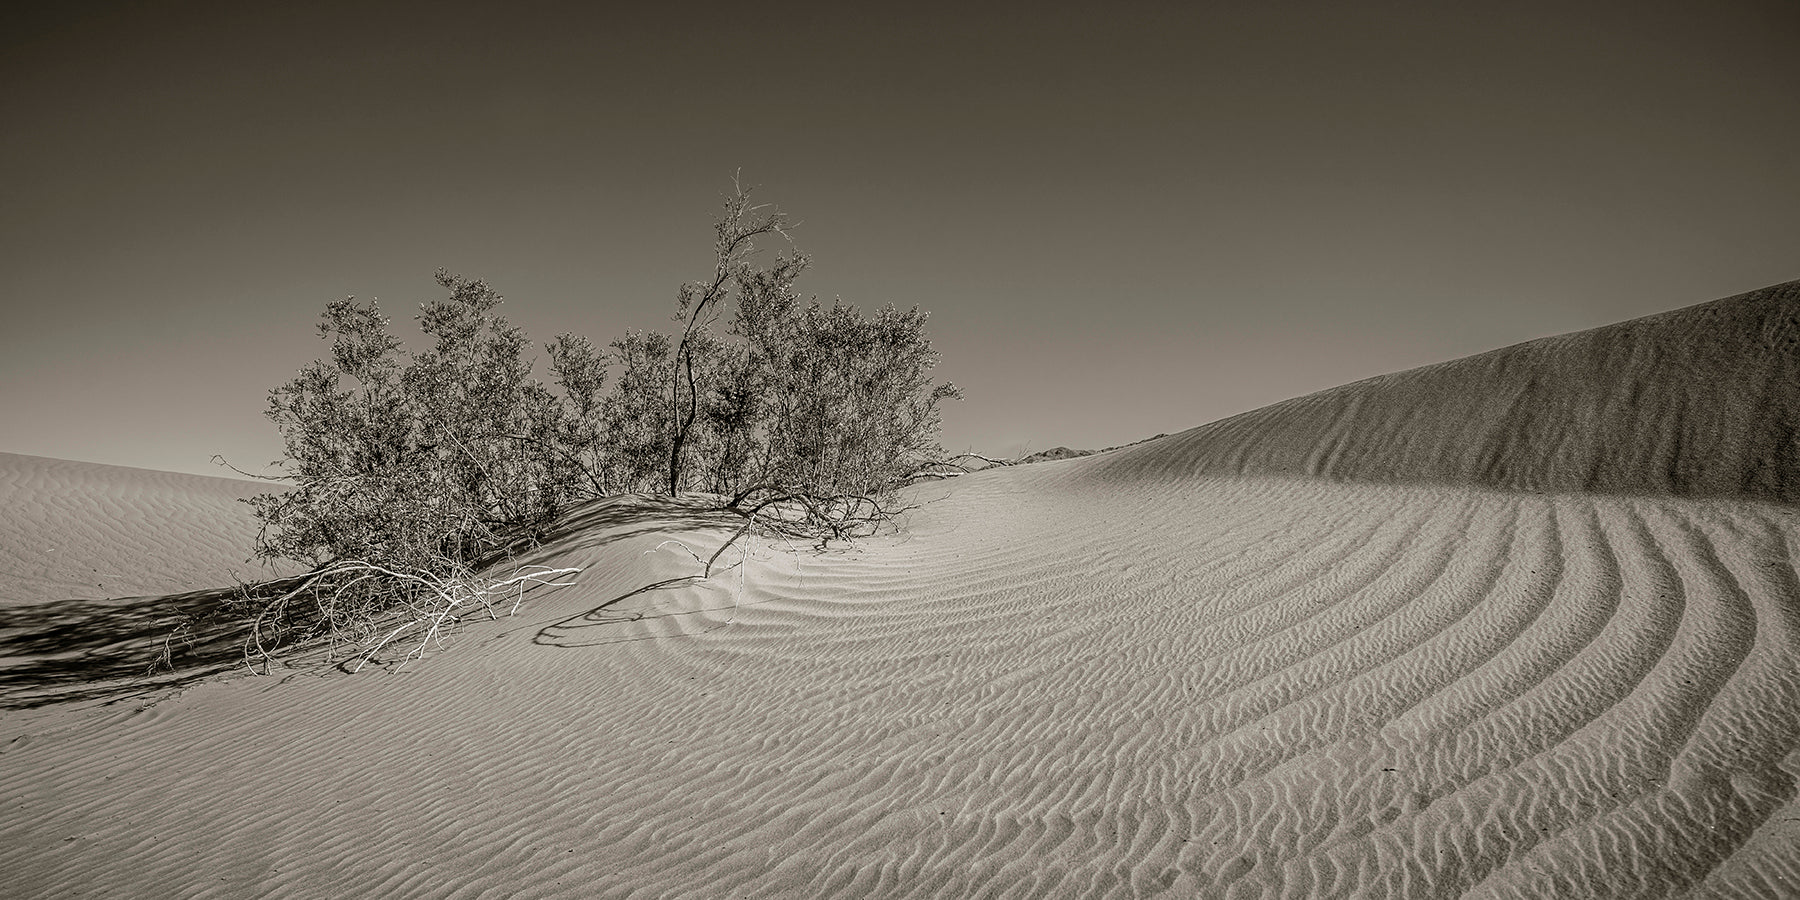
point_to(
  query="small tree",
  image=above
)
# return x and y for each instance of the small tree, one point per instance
(698, 302)
(816, 405)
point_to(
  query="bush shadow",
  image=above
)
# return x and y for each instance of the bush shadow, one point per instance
(125, 647)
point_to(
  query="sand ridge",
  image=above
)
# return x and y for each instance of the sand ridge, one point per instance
(1702, 401)
(1119, 675)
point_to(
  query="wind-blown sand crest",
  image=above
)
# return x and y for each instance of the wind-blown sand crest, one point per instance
(1555, 663)
(1702, 401)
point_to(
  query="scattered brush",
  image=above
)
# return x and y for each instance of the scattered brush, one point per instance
(368, 606)
(955, 466)
(799, 513)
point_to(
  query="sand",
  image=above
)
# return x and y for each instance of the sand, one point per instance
(1321, 650)
(100, 564)
(76, 530)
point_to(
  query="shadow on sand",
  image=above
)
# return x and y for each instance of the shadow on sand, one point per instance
(115, 648)
(578, 630)
(127, 647)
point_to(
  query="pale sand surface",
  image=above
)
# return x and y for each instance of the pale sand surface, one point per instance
(76, 530)
(1132, 674)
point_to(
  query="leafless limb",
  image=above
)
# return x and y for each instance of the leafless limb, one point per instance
(353, 598)
(220, 460)
(952, 468)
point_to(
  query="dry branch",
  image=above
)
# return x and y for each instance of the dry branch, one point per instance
(356, 601)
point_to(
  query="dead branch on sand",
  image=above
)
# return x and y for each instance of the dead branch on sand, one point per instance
(951, 468)
(357, 602)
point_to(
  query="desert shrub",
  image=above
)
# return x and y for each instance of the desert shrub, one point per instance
(410, 471)
(849, 406)
(799, 399)
(408, 459)
(637, 415)
(580, 369)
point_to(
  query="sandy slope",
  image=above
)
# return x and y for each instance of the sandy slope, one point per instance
(1702, 401)
(75, 530)
(1122, 675)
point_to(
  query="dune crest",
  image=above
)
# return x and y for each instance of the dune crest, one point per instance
(1702, 401)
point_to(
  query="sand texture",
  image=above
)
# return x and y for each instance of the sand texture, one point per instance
(100, 565)
(1702, 401)
(75, 530)
(1189, 668)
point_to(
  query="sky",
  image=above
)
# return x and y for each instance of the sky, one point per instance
(1125, 219)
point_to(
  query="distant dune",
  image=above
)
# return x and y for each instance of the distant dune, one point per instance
(75, 530)
(1056, 453)
(1521, 625)
(1053, 454)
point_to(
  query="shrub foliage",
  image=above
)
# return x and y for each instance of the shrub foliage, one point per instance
(410, 459)
(411, 468)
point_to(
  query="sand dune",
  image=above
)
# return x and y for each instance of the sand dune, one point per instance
(1702, 401)
(76, 530)
(1178, 669)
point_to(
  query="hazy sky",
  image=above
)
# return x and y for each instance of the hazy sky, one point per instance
(1122, 222)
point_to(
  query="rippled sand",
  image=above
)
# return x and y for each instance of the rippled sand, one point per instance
(1135, 674)
(75, 530)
